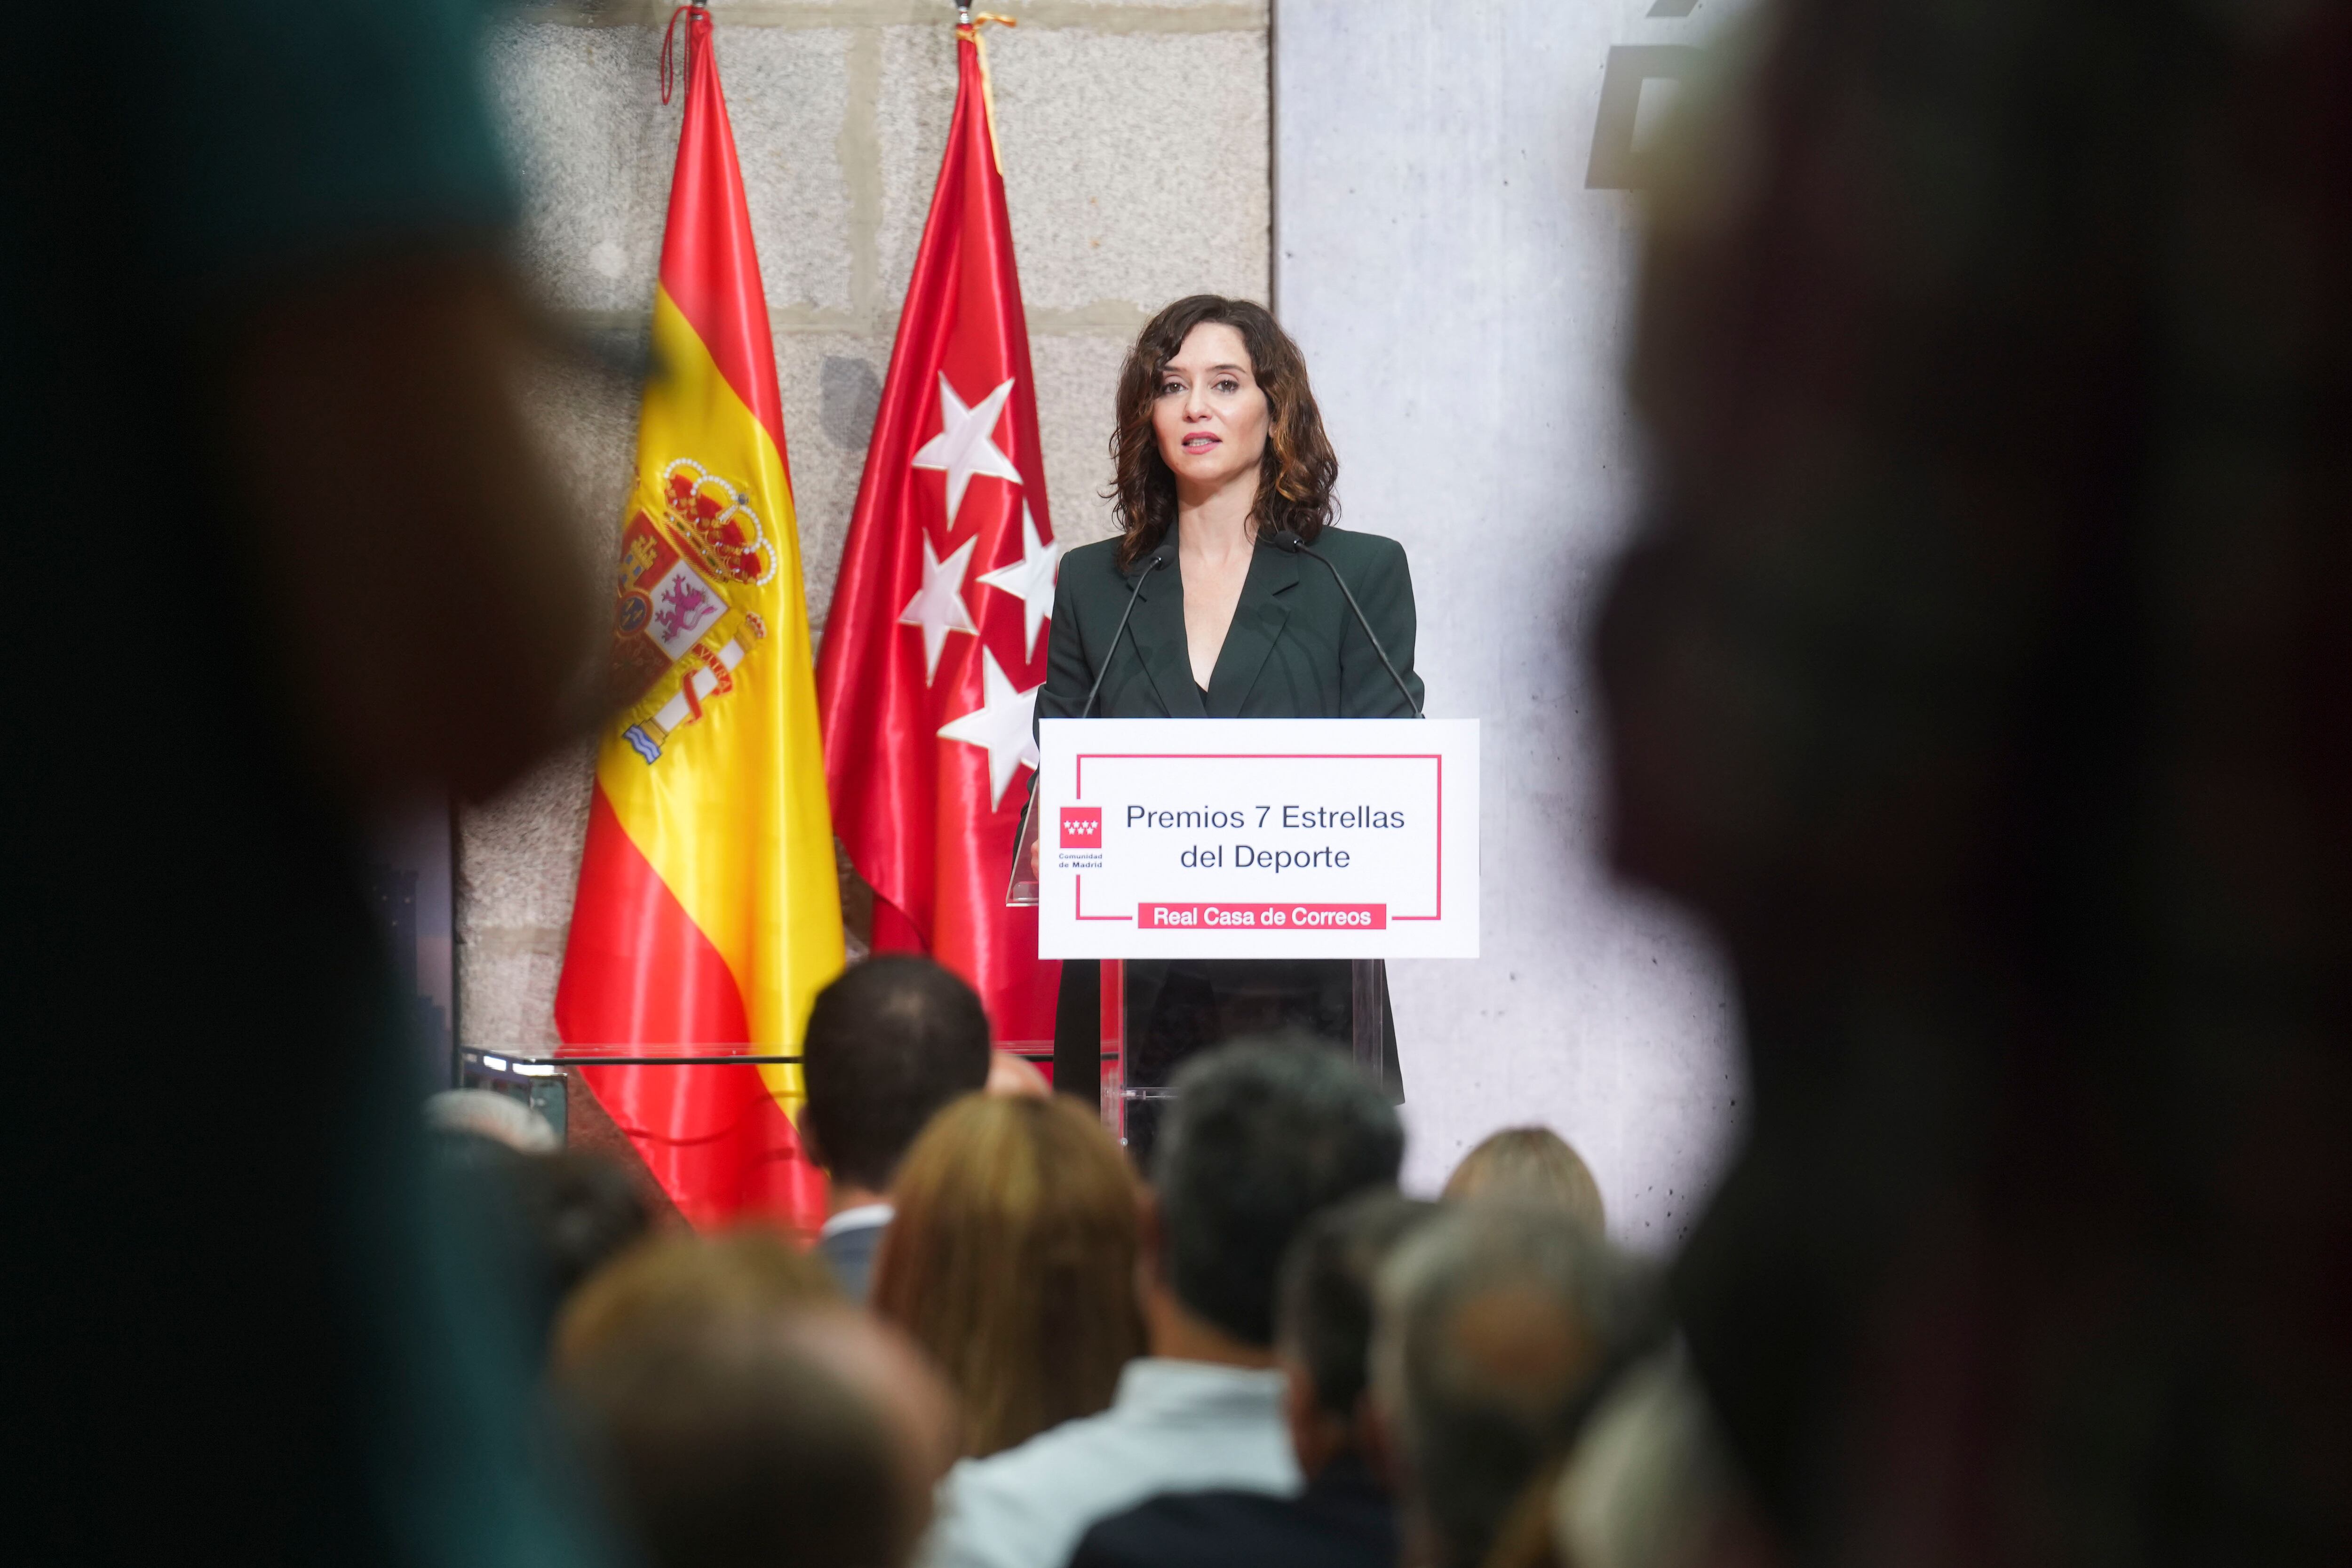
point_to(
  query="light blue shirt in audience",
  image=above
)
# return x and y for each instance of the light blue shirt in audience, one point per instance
(1174, 1425)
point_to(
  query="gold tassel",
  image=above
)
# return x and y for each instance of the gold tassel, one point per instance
(988, 88)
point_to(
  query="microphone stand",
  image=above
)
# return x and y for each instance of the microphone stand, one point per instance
(1153, 563)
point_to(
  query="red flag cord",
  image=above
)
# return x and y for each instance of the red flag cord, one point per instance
(669, 77)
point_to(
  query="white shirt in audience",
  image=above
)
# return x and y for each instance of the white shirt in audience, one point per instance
(1174, 1425)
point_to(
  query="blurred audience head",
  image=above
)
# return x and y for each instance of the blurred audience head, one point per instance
(1493, 1323)
(888, 1043)
(542, 1221)
(1009, 1074)
(682, 1278)
(1011, 1262)
(1650, 1483)
(486, 1113)
(1264, 1134)
(582, 1210)
(763, 1437)
(1530, 1165)
(1323, 1321)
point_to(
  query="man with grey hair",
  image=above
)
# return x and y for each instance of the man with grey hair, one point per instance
(1345, 1518)
(1494, 1323)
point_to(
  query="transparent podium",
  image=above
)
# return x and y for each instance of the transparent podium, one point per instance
(1158, 1013)
(535, 1074)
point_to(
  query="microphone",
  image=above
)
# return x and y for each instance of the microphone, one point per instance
(1159, 557)
(1152, 563)
(1287, 540)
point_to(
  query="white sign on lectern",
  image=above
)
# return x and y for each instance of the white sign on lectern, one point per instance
(1258, 838)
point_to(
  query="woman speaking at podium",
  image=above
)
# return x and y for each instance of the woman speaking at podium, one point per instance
(1224, 497)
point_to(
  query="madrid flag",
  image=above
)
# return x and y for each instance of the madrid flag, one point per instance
(935, 647)
(709, 910)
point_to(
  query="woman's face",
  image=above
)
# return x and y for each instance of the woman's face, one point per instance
(1209, 412)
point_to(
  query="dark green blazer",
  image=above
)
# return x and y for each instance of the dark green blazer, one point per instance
(1293, 650)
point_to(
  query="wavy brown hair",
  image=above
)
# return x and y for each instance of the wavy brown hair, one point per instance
(1011, 1260)
(1296, 476)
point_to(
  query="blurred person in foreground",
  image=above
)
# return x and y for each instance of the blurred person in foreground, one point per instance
(1495, 1325)
(1011, 1262)
(689, 1278)
(1530, 1165)
(1649, 1484)
(888, 1042)
(299, 562)
(582, 1210)
(484, 1115)
(1983, 676)
(1264, 1135)
(549, 1217)
(762, 1439)
(1344, 1517)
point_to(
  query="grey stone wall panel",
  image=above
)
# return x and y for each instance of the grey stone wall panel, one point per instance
(595, 147)
(1077, 375)
(825, 471)
(505, 986)
(517, 861)
(1135, 164)
(915, 100)
(592, 145)
(786, 94)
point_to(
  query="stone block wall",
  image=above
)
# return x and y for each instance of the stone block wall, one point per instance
(1135, 139)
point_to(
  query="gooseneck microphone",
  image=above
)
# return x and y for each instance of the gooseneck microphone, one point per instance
(1152, 563)
(1288, 539)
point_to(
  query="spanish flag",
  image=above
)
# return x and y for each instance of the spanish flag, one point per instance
(708, 909)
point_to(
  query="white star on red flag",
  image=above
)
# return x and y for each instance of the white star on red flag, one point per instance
(966, 444)
(1000, 726)
(937, 605)
(1030, 580)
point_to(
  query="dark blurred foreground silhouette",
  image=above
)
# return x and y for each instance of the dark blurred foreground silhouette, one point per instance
(282, 555)
(1984, 676)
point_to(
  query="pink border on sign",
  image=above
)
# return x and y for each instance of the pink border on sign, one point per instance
(1079, 792)
(1079, 900)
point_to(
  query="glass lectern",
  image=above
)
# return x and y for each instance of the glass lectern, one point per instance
(1157, 1013)
(536, 1073)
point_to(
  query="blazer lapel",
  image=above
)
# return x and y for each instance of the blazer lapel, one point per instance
(1158, 629)
(1258, 618)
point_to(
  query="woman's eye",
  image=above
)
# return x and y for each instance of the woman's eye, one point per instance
(1169, 388)
(1229, 386)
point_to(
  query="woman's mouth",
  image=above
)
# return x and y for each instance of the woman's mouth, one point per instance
(1201, 443)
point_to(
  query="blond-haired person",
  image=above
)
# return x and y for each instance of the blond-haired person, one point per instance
(1011, 1261)
(1530, 1165)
